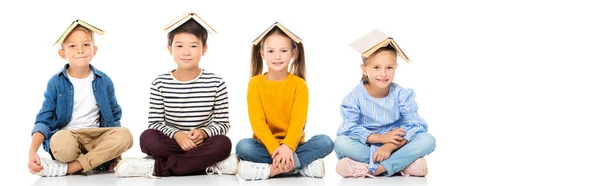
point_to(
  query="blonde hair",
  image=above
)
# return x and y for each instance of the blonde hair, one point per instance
(365, 60)
(87, 31)
(298, 67)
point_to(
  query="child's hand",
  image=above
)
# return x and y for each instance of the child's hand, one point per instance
(34, 164)
(394, 136)
(197, 136)
(397, 146)
(184, 142)
(283, 158)
(382, 153)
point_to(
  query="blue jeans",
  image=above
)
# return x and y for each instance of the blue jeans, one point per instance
(317, 147)
(423, 144)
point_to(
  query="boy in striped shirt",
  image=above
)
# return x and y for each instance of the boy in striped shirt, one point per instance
(188, 117)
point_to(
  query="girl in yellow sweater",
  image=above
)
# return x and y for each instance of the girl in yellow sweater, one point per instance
(278, 107)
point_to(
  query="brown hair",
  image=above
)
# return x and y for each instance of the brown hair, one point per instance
(190, 27)
(365, 60)
(81, 28)
(298, 67)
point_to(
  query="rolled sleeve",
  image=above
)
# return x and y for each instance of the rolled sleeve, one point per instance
(41, 128)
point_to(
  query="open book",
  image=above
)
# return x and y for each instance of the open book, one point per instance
(376, 39)
(62, 37)
(285, 30)
(178, 22)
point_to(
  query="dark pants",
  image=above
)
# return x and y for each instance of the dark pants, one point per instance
(171, 160)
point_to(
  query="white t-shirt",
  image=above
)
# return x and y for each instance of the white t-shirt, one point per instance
(85, 111)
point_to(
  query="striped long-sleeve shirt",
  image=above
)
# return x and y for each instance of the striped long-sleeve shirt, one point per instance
(364, 115)
(201, 103)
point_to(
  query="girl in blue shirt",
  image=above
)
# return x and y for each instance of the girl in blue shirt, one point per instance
(381, 133)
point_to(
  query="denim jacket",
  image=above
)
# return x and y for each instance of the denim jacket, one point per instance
(58, 104)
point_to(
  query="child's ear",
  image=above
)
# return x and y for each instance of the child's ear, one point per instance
(262, 54)
(363, 68)
(204, 49)
(294, 53)
(95, 50)
(170, 49)
(61, 53)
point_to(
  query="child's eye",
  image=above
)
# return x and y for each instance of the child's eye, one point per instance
(390, 68)
(194, 46)
(284, 51)
(71, 46)
(178, 46)
(270, 51)
(87, 44)
(376, 68)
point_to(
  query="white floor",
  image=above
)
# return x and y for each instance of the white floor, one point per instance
(331, 178)
(225, 180)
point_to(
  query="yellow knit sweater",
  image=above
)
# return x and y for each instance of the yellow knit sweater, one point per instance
(278, 110)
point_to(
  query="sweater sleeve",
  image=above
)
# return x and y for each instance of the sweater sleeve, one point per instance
(298, 119)
(258, 119)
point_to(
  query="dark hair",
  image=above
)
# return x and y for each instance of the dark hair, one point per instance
(298, 66)
(190, 27)
(364, 77)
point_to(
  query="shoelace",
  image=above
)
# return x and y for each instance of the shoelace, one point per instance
(215, 168)
(360, 171)
(259, 172)
(404, 172)
(53, 169)
(138, 170)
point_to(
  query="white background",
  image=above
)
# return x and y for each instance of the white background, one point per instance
(509, 88)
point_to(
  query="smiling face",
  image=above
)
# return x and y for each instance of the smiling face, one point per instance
(380, 68)
(278, 52)
(78, 48)
(187, 49)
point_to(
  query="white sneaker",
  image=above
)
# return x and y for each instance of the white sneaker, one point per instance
(316, 169)
(227, 166)
(135, 167)
(254, 171)
(52, 168)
